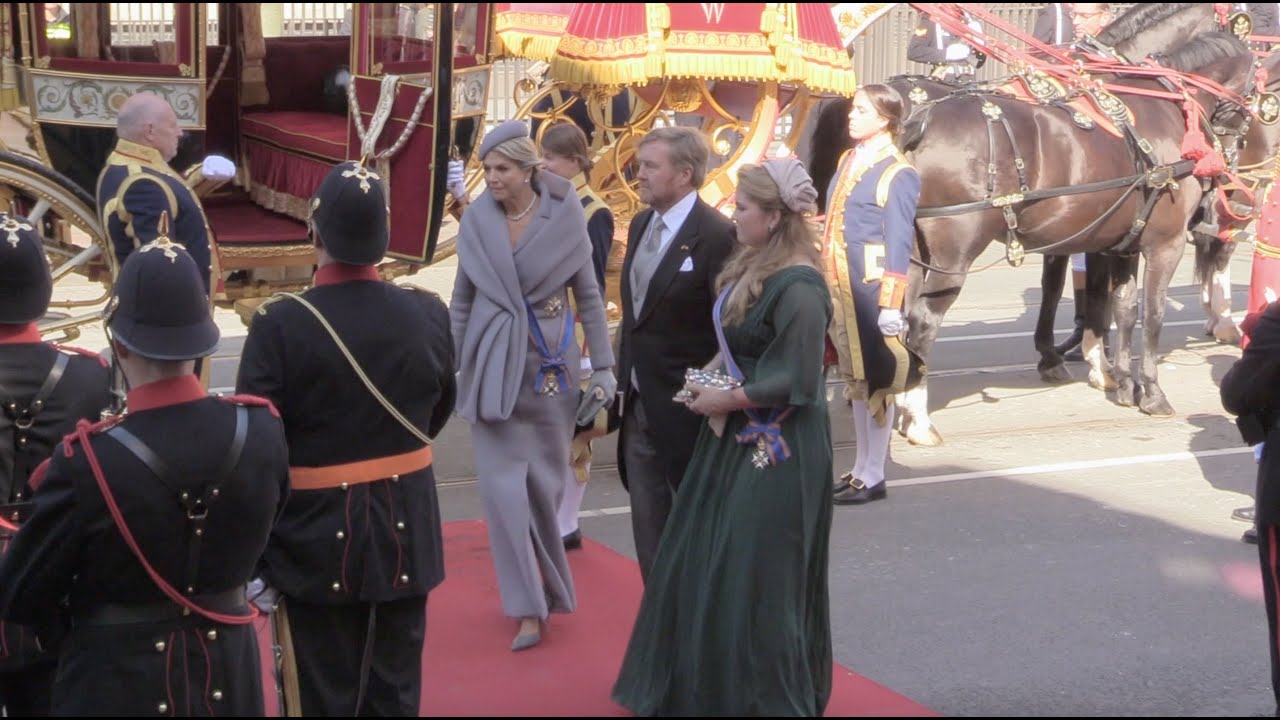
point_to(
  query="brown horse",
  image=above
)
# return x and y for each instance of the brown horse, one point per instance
(1058, 154)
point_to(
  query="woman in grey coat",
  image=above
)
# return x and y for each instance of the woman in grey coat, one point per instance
(522, 246)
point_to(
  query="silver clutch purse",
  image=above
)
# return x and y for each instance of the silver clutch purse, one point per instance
(705, 378)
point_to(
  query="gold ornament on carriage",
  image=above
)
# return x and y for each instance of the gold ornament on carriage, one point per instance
(1241, 25)
(1267, 107)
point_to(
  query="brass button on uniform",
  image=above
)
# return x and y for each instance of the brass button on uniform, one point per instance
(400, 525)
(212, 634)
(395, 478)
(341, 534)
(163, 708)
(216, 695)
(404, 578)
(337, 587)
(160, 646)
(344, 486)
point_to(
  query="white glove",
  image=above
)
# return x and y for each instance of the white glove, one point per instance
(890, 321)
(1257, 452)
(957, 51)
(598, 395)
(457, 180)
(216, 167)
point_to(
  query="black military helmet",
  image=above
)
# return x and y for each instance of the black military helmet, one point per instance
(159, 309)
(349, 214)
(25, 283)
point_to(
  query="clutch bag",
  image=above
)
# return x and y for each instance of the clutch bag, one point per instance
(705, 378)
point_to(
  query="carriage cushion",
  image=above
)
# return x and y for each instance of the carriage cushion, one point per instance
(320, 134)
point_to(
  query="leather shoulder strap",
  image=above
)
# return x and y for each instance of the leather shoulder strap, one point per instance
(342, 347)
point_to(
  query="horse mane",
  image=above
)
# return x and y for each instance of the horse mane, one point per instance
(1138, 18)
(1202, 50)
(829, 141)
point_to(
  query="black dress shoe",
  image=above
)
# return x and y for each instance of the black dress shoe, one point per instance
(573, 541)
(856, 493)
(1244, 514)
(842, 482)
(1250, 536)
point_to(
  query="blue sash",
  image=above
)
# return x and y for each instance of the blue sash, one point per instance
(554, 367)
(764, 425)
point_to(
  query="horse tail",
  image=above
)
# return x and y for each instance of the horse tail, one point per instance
(830, 140)
(1212, 254)
(913, 129)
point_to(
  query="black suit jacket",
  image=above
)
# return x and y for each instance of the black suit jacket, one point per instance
(673, 331)
(1251, 391)
(1051, 18)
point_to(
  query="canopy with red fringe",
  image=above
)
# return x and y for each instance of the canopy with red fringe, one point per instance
(633, 44)
(530, 30)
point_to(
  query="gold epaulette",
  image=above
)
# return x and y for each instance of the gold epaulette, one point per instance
(886, 180)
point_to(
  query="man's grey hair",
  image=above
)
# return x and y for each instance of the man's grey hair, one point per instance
(688, 148)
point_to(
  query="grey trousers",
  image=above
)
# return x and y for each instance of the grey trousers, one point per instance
(651, 490)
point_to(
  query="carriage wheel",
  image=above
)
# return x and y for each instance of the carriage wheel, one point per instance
(83, 267)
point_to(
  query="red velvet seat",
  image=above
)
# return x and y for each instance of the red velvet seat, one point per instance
(312, 133)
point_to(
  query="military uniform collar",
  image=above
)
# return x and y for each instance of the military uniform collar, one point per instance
(580, 183)
(338, 273)
(163, 393)
(18, 334)
(141, 153)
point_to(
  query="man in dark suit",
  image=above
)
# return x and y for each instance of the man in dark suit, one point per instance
(1251, 392)
(951, 58)
(675, 249)
(363, 373)
(148, 526)
(1053, 25)
(44, 391)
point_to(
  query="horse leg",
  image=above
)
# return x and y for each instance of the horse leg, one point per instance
(1162, 261)
(1124, 297)
(1052, 278)
(1214, 268)
(924, 321)
(1098, 277)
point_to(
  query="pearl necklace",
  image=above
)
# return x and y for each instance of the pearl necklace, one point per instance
(517, 218)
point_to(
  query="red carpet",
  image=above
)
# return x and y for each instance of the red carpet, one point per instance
(469, 669)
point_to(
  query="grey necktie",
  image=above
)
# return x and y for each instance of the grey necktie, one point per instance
(644, 263)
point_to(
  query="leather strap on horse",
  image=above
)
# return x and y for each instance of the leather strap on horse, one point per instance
(342, 347)
(81, 435)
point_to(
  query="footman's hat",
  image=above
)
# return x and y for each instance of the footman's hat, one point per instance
(159, 309)
(349, 213)
(25, 284)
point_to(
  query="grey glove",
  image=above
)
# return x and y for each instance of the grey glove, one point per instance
(598, 396)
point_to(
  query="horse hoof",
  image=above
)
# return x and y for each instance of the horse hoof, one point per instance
(1124, 394)
(1227, 333)
(923, 436)
(1056, 374)
(1156, 406)
(1101, 381)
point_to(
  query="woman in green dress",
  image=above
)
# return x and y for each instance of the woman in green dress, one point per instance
(734, 618)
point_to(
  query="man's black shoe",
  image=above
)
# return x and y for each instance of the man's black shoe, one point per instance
(856, 493)
(573, 541)
(1250, 536)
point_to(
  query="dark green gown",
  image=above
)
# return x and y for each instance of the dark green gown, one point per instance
(734, 619)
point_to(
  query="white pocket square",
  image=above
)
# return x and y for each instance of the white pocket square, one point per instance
(687, 265)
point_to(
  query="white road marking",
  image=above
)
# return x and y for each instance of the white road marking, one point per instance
(1021, 471)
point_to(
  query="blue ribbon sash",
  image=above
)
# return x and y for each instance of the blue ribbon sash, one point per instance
(553, 373)
(764, 425)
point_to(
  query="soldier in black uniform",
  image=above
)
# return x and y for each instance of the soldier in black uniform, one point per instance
(359, 546)
(1251, 391)
(44, 390)
(147, 526)
(952, 59)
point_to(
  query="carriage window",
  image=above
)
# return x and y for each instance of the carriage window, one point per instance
(305, 19)
(464, 28)
(57, 21)
(403, 32)
(143, 24)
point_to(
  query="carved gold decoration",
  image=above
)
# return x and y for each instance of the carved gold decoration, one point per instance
(917, 94)
(991, 110)
(185, 70)
(684, 95)
(43, 62)
(1241, 25)
(1268, 108)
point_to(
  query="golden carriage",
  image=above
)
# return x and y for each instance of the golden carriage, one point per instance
(244, 89)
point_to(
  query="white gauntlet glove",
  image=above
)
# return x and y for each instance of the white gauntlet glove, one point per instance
(890, 322)
(599, 395)
(957, 51)
(457, 180)
(216, 167)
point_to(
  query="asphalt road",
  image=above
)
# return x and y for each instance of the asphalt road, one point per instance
(1057, 555)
